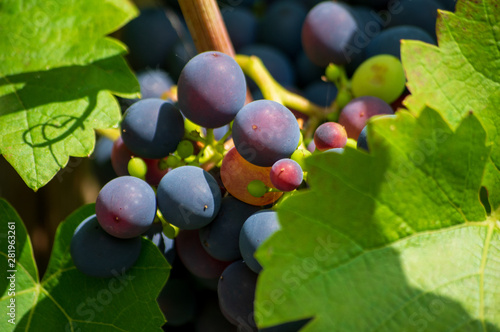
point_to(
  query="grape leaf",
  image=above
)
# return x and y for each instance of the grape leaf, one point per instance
(462, 74)
(394, 240)
(66, 299)
(57, 75)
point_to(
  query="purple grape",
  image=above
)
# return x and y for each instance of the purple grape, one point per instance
(357, 112)
(264, 132)
(98, 254)
(286, 175)
(257, 229)
(152, 128)
(328, 34)
(126, 207)
(330, 135)
(211, 89)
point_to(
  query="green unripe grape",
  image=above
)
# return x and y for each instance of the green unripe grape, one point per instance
(380, 76)
(257, 188)
(300, 156)
(137, 167)
(173, 161)
(332, 72)
(301, 140)
(170, 230)
(185, 149)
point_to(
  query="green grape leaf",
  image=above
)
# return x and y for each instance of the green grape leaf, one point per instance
(392, 240)
(58, 71)
(462, 74)
(66, 299)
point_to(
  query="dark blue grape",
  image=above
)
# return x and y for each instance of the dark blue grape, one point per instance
(422, 13)
(307, 71)
(264, 132)
(126, 207)
(257, 229)
(154, 82)
(211, 89)
(98, 254)
(177, 301)
(241, 26)
(152, 128)
(276, 62)
(211, 319)
(321, 93)
(447, 4)
(236, 291)
(220, 238)
(166, 245)
(329, 33)
(149, 38)
(180, 54)
(362, 140)
(281, 25)
(189, 197)
(389, 40)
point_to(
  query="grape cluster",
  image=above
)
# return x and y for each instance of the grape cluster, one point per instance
(201, 172)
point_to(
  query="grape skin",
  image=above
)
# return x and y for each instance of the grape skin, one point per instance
(256, 229)
(264, 132)
(211, 89)
(152, 128)
(98, 254)
(126, 207)
(189, 197)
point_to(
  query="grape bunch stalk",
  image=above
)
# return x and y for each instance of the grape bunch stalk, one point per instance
(202, 168)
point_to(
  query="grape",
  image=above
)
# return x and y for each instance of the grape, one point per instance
(126, 207)
(147, 47)
(236, 291)
(257, 229)
(380, 76)
(121, 155)
(307, 71)
(275, 61)
(211, 318)
(328, 34)
(211, 89)
(422, 13)
(241, 26)
(236, 173)
(152, 128)
(330, 135)
(220, 238)
(179, 55)
(357, 112)
(321, 93)
(389, 40)
(98, 254)
(284, 18)
(264, 132)
(137, 167)
(300, 156)
(257, 188)
(177, 301)
(154, 83)
(189, 197)
(185, 149)
(166, 245)
(362, 140)
(195, 258)
(286, 175)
